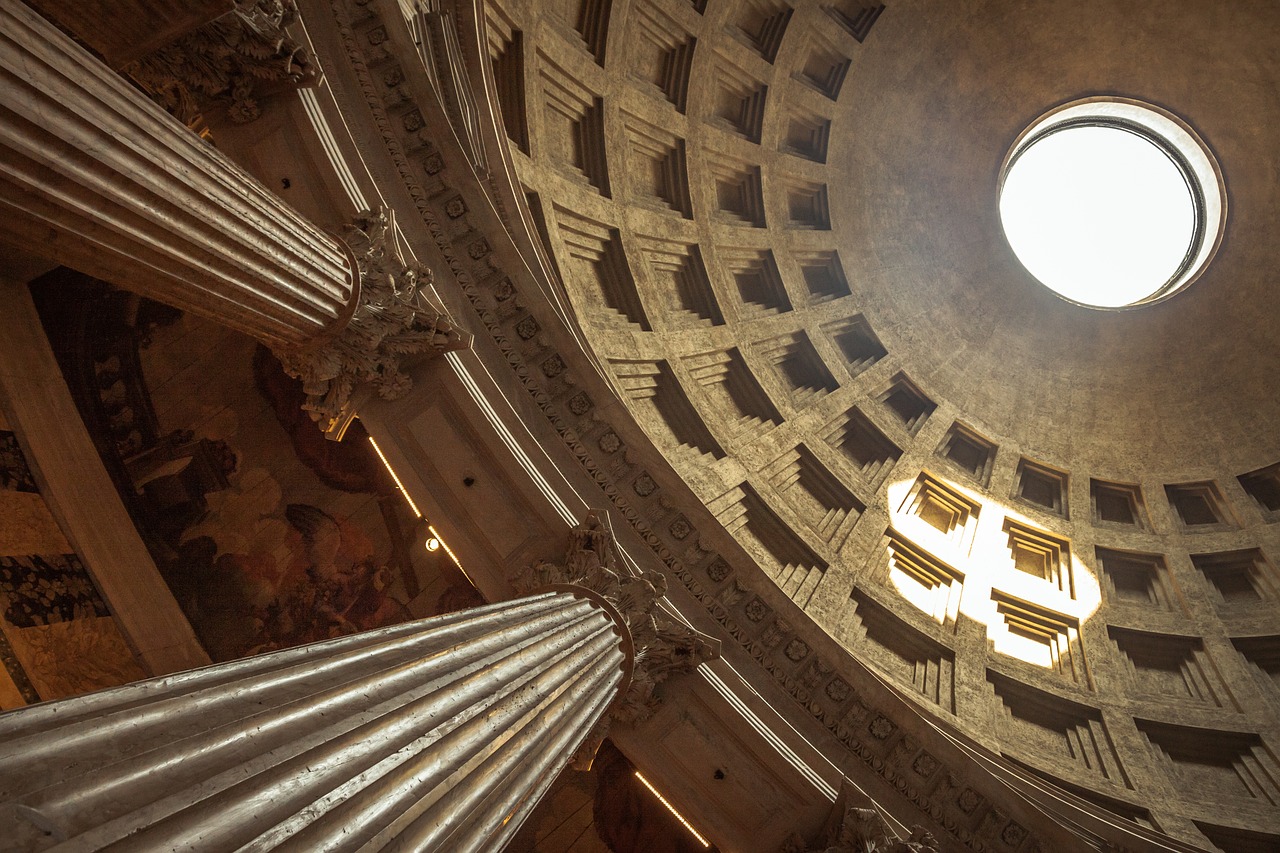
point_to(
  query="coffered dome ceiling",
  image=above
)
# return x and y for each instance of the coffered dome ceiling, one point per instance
(888, 154)
(1054, 526)
(991, 560)
(937, 98)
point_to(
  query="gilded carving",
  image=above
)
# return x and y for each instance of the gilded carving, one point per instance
(662, 645)
(74, 656)
(228, 62)
(392, 323)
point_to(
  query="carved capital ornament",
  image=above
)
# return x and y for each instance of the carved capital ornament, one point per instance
(228, 62)
(853, 828)
(392, 322)
(661, 646)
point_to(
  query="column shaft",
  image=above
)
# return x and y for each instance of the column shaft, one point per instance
(97, 177)
(438, 734)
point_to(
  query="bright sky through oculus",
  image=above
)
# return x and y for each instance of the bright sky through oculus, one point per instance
(1098, 214)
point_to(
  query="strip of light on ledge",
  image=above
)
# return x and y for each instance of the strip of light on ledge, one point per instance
(445, 545)
(452, 556)
(413, 506)
(704, 842)
(399, 485)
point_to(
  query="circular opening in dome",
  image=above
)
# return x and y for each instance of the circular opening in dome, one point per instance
(1111, 204)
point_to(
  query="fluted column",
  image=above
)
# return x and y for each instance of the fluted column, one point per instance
(97, 177)
(438, 734)
(433, 735)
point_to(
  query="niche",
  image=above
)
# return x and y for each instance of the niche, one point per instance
(908, 402)
(1041, 555)
(859, 345)
(1238, 577)
(1042, 487)
(1116, 503)
(970, 452)
(864, 445)
(1134, 578)
(1263, 486)
(1198, 505)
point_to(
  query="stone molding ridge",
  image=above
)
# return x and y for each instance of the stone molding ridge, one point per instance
(446, 63)
(392, 321)
(853, 828)
(228, 62)
(662, 646)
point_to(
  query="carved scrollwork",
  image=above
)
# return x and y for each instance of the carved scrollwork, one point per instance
(662, 645)
(227, 62)
(858, 829)
(393, 321)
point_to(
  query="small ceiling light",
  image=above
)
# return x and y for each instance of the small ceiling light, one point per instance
(1111, 203)
(433, 544)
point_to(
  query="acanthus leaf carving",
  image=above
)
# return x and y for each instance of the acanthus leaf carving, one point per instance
(662, 646)
(853, 828)
(227, 62)
(392, 322)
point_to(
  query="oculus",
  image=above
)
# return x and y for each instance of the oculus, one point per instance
(1111, 203)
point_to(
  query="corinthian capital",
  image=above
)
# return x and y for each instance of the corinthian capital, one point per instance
(228, 62)
(853, 828)
(662, 646)
(392, 322)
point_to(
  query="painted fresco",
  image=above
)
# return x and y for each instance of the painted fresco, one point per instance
(267, 534)
(57, 637)
(308, 540)
(300, 576)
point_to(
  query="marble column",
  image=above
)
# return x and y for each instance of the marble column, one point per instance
(97, 177)
(433, 735)
(429, 735)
